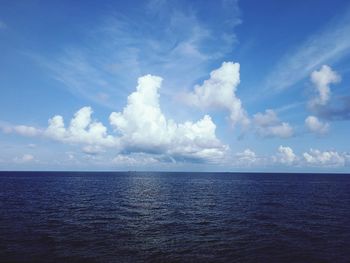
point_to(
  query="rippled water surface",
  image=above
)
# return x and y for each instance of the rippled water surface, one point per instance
(174, 217)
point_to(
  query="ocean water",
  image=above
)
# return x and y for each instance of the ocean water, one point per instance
(174, 217)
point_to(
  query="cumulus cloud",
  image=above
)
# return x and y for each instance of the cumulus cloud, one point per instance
(82, 129)
(315, 125)
(247, 154)
(285, 155)
(322, 80)
(143, 127)
(268, 125)
(140, 128)
(219, 91)
(246, 158)
(327, 158)
(321, 103)
(313, 157)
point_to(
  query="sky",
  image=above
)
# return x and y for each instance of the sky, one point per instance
(175, 85)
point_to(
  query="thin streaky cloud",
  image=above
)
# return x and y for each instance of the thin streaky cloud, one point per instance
(331, 44)
(120, 50)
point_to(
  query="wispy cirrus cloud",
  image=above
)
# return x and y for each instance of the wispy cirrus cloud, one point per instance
(330, 44)
(170, 40)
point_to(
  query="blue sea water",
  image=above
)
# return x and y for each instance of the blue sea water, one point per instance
(174, 217)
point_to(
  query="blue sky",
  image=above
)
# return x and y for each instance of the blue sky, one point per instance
(175, 85)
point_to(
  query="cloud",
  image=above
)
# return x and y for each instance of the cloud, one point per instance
(219, 91)
(143, 127)
(326, 158)
(329, 45)
(140, 128)
(170, 39)
(321, 104)
(315, 125)
(285, 155)
(313, 157)
(246, 158)
(249, 158)
(135, 159)
(82, 129)
(321, 80)
(268, 125)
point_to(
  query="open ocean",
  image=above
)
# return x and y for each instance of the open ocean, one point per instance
(174, 217)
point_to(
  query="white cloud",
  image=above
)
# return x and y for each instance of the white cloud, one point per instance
(285, 155)
(143, 127)
(246, 158)
(315, 125)
(140, 128)
(219, 91)
(330, 45)
(327, 158)
(322, 80)
(247, 154)
(268, 125)
(82, 129)
(142, 123)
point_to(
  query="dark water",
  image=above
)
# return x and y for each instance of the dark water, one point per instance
(174, 217)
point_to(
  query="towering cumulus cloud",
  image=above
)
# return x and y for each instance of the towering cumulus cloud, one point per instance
(315, 125)
(142, 127)
(219, 91)
(322, 80)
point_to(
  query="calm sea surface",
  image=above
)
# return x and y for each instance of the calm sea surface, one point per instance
(174, 217)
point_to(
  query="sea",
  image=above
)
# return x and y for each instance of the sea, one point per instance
(174, 217)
